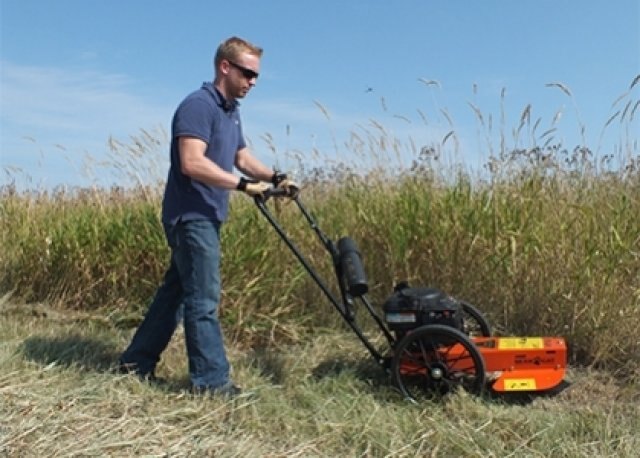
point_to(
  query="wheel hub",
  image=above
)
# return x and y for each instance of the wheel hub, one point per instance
(437, 372)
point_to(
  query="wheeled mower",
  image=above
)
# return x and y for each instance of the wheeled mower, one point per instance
(436, 343)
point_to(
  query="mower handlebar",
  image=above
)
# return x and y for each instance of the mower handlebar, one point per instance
(273, 192)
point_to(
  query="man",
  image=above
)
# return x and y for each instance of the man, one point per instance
(206, 143)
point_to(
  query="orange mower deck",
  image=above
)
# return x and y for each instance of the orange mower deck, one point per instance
(511, 363)
(523, 363)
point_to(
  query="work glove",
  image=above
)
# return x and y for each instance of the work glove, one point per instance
(252, 187)
(280, 180)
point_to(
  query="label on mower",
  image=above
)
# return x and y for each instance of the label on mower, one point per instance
(519, 384)
(401, 317)
(520, 343)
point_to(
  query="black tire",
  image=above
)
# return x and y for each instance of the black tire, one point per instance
(475, 324)
(435, 360)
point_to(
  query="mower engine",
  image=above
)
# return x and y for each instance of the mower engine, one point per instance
(409, 308)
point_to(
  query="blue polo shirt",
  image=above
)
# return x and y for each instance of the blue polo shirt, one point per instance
(206, 115)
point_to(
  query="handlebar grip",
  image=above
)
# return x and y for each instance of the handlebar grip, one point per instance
(271, 192)
(275, 192)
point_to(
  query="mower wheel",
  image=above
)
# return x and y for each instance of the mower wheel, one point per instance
(434, 360)
(475, 324)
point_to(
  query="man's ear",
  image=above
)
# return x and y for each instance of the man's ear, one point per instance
(224, 66)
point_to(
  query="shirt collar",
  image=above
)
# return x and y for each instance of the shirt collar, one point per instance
(219, 98)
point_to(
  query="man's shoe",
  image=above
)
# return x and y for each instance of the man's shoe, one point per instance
(132, 369)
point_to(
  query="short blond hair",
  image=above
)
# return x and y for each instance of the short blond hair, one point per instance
(232, 47)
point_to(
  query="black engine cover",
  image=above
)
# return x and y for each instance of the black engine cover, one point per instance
(409, 308)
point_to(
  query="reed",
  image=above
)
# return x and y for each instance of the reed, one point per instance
(545, 240)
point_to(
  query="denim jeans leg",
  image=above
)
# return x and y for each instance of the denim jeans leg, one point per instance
(197, 256)
(155, 331)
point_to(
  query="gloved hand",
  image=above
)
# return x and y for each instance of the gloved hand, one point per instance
(252, 187)
(280, 180)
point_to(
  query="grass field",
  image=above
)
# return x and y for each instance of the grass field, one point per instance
(87, 277)
(319, 397)
(545, 241)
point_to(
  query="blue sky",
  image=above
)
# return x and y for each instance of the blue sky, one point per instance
(75, 73)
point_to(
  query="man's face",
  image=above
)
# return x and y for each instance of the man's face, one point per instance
(242, 74)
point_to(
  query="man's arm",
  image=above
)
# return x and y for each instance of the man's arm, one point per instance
(197, 166)
(248, 164)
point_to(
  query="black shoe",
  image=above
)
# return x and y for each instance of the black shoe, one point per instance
(228, 390)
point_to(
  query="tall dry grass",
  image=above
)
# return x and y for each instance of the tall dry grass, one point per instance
(545, 240)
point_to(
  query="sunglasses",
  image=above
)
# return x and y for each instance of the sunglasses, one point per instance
(246, 72)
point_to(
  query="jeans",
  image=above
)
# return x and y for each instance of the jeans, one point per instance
(193, 280)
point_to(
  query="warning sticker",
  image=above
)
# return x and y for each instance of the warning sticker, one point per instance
(520, 343)
(519, 384)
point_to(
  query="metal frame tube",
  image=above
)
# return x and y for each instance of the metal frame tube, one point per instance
(340, 307)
